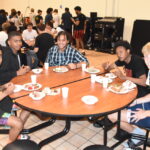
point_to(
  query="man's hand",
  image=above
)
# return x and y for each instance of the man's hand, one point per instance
(9, 88)
(72, 66)
(119, 74)
(138, 115)
(23, 70)
(106, 65)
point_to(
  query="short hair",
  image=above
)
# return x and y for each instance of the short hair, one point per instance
(22, 145)
(146, 48)
(11, 28)
(124, 44)
(77, 8)
(29, 24)
(41, 27)
(56, 10)
(49, 10)
(5, 26)
(39, 11)
(63, 33)
(13, 33)
(66, 9)
(32, 9)
(49, 24)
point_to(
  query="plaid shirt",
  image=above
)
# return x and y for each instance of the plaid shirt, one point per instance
(70, 55)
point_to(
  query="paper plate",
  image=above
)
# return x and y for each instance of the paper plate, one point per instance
(31, 86)
(60, 69)
(111, 75)
(37, 71)
(92, 70)
(37, 95)
(18, 88)
(89, 99)
(100, 79)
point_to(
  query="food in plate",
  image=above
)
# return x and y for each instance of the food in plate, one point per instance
(110, 75)
(92, 70)
(31, 86)
(37, 71)
(60, 69)
(101, 79)
(37, 95)
(49, 91)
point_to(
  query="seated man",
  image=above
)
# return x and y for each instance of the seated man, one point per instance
(29, 35)
(16, 123)
(63, 54)
(10, 62)
(139, 111)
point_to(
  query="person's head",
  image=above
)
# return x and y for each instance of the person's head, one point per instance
(19, 13)
(29, 27)
(22, 145)
(56, 11)
(49, 10)
(13, 14)
(122, 49)
(66, 9)
(49, 25)
(41, 28)
(11, 28)
(62, 40)
(5, 26)
(77, 9)
(32, 10)
(15, 41)
(39, 12)
(146, 53)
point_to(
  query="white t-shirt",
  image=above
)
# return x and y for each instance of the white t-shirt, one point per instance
(56, 19)
(3, 38)
(15, 21)
(32, 18)
(26, 35)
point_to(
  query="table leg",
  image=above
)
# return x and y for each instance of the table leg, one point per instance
(105, 131)
(58, 135)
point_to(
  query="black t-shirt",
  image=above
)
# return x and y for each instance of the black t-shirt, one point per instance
(81, 18)
(44, 42)
(66, 18)
(48, 18)
(38, 18)
(135, 69)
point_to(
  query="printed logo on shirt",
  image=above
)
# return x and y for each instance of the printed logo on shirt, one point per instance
(128, 72)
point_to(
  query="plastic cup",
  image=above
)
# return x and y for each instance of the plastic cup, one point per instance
(93, 78)
(65, 91)
(105, 82)
(46, 66)
(83, 67)
(33, 79)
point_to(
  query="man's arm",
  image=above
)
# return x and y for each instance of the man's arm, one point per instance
(107, 66)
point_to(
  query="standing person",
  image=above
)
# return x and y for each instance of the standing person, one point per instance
(32, 17)
(20, 17)
(56, 18)
(67, 22)
(79, 28)
(63, 54)
(43, 42)
(49, 17)
(39, 18)
(138, 113)
(3, 18)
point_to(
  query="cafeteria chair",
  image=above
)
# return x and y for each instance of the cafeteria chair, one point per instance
(97, 147)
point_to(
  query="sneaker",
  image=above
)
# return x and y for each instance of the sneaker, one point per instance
(23, 137)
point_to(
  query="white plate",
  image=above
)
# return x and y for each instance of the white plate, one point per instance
(92, 70)
(129, 84)
(37, 95)
(110, 75)
(49, 91)
(89, 99)
(124, 91)
(31, 86)
(60, 69)
(37, 71)
(18, 88)
(100, 79)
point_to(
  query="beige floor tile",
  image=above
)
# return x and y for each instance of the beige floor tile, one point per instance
(88, 143)
(66, 146)
(77, 140)
(47, 147)
(87, 133)
(84, 123)
(68, 135)
(76, 127)
(97, 139)
(56, 143)
(55, 128)
(94, 128)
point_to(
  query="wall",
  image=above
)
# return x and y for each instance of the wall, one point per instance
(128, 9)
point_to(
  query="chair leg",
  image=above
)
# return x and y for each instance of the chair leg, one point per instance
(145, 142)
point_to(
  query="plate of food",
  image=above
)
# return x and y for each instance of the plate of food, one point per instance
(37, 71)
(37, 95)
(31, 86)
(129, 84)
(118, 89)
(100, 79)
(110, 75)
(60, 69)
(89, 99)
(18, 88)
(92, 70)
(49, 91)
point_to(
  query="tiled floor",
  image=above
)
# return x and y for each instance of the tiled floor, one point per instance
(82, 133)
